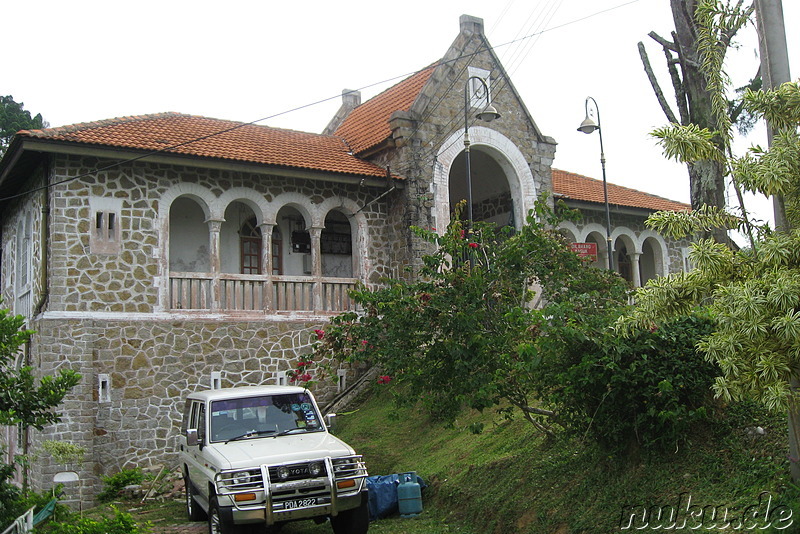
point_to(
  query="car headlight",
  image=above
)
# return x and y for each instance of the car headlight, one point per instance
(315, 469)
(242, 477)
(283, 472)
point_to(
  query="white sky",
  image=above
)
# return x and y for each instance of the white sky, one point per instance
(244, 60)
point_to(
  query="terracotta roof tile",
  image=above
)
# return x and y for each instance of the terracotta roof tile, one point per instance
(368, 124)
(578, 187)
(190, 135)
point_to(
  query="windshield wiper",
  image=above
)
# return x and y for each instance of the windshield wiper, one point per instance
(293, 430)
(252, 433)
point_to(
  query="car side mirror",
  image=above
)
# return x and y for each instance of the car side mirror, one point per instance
(191, 437)
(330, 422)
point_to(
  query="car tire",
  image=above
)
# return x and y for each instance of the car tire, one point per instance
(193, 510)
(354, 521)
(216, 525)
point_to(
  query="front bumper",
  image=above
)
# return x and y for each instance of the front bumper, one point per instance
(259, 497)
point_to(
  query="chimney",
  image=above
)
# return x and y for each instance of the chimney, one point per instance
(470, 24)
(351, 98)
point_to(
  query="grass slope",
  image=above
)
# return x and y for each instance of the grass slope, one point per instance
(510, 479)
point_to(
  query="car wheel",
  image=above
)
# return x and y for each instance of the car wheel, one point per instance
(193, 511)
(355, 521)
(215, 523)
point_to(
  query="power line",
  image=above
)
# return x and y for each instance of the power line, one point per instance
(323, 100)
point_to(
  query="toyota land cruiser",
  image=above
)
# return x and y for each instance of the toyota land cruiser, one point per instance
(263, 456)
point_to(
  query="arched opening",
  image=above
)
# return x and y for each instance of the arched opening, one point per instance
(651, 260)
(295, 249)
(624, 266)
(188, 237)
(240, 241)
(492, 200)
(336, 246)
(601, 260)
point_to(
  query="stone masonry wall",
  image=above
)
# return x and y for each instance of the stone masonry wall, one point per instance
(152, 366)
(102, 315)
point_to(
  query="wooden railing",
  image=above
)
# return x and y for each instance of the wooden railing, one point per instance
(239, 292)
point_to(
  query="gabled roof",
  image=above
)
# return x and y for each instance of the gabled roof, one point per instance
(571, 186)
(367, 126)
(203, 137)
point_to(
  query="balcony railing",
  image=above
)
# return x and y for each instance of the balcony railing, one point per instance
(239, 292)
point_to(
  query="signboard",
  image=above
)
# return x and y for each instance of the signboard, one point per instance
(586, 251)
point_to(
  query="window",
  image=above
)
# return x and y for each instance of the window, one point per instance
(478, 97)
(687, 261)
(105, 232)
(103, 388)
(24, 241)
(216, 380)
(250, 239)
(277, 251)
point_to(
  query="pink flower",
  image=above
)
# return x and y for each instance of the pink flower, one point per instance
(364, 341)
(463, 233)
(320, 333)
(473, 245)
(385, 379)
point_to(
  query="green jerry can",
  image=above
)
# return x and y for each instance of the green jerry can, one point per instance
(409, 495)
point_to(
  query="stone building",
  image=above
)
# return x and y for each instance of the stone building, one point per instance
(161, 254)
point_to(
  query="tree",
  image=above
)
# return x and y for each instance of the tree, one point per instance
(693, 100)
(753, 294)
(14, 118)
(24, 400)
(465, 334)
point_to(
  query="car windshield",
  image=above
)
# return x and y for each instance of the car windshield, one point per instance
(263, 416)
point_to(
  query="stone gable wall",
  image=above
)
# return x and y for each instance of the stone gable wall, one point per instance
(436, 121)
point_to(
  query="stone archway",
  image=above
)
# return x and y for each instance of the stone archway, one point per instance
(494, 155)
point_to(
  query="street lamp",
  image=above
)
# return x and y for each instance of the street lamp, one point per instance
(588, 126)
(488, 114)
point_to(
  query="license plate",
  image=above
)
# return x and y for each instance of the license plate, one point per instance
(300, 503)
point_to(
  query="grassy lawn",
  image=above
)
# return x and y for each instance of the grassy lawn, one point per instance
(510, 479)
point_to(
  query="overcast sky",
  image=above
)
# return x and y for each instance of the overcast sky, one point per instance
(84, 60)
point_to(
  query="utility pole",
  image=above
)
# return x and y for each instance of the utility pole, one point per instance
(774, 67)
(774, 72)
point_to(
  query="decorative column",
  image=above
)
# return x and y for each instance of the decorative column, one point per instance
(637, 276)
(214, 227)
(316, 266)
(266, 266)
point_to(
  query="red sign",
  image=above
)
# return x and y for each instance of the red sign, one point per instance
(586, 251)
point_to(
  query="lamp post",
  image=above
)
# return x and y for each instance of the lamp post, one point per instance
(588, 126)
(488, 114)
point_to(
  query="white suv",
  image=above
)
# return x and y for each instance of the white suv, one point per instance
(263, 456)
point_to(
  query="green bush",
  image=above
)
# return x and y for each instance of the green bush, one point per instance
(121, 523)
(114, 484)
(643, 391)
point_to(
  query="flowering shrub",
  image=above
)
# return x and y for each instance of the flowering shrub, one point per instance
(464, 334)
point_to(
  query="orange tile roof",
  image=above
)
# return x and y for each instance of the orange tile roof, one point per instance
(175, 133)
(578, 187)
(368, 125)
